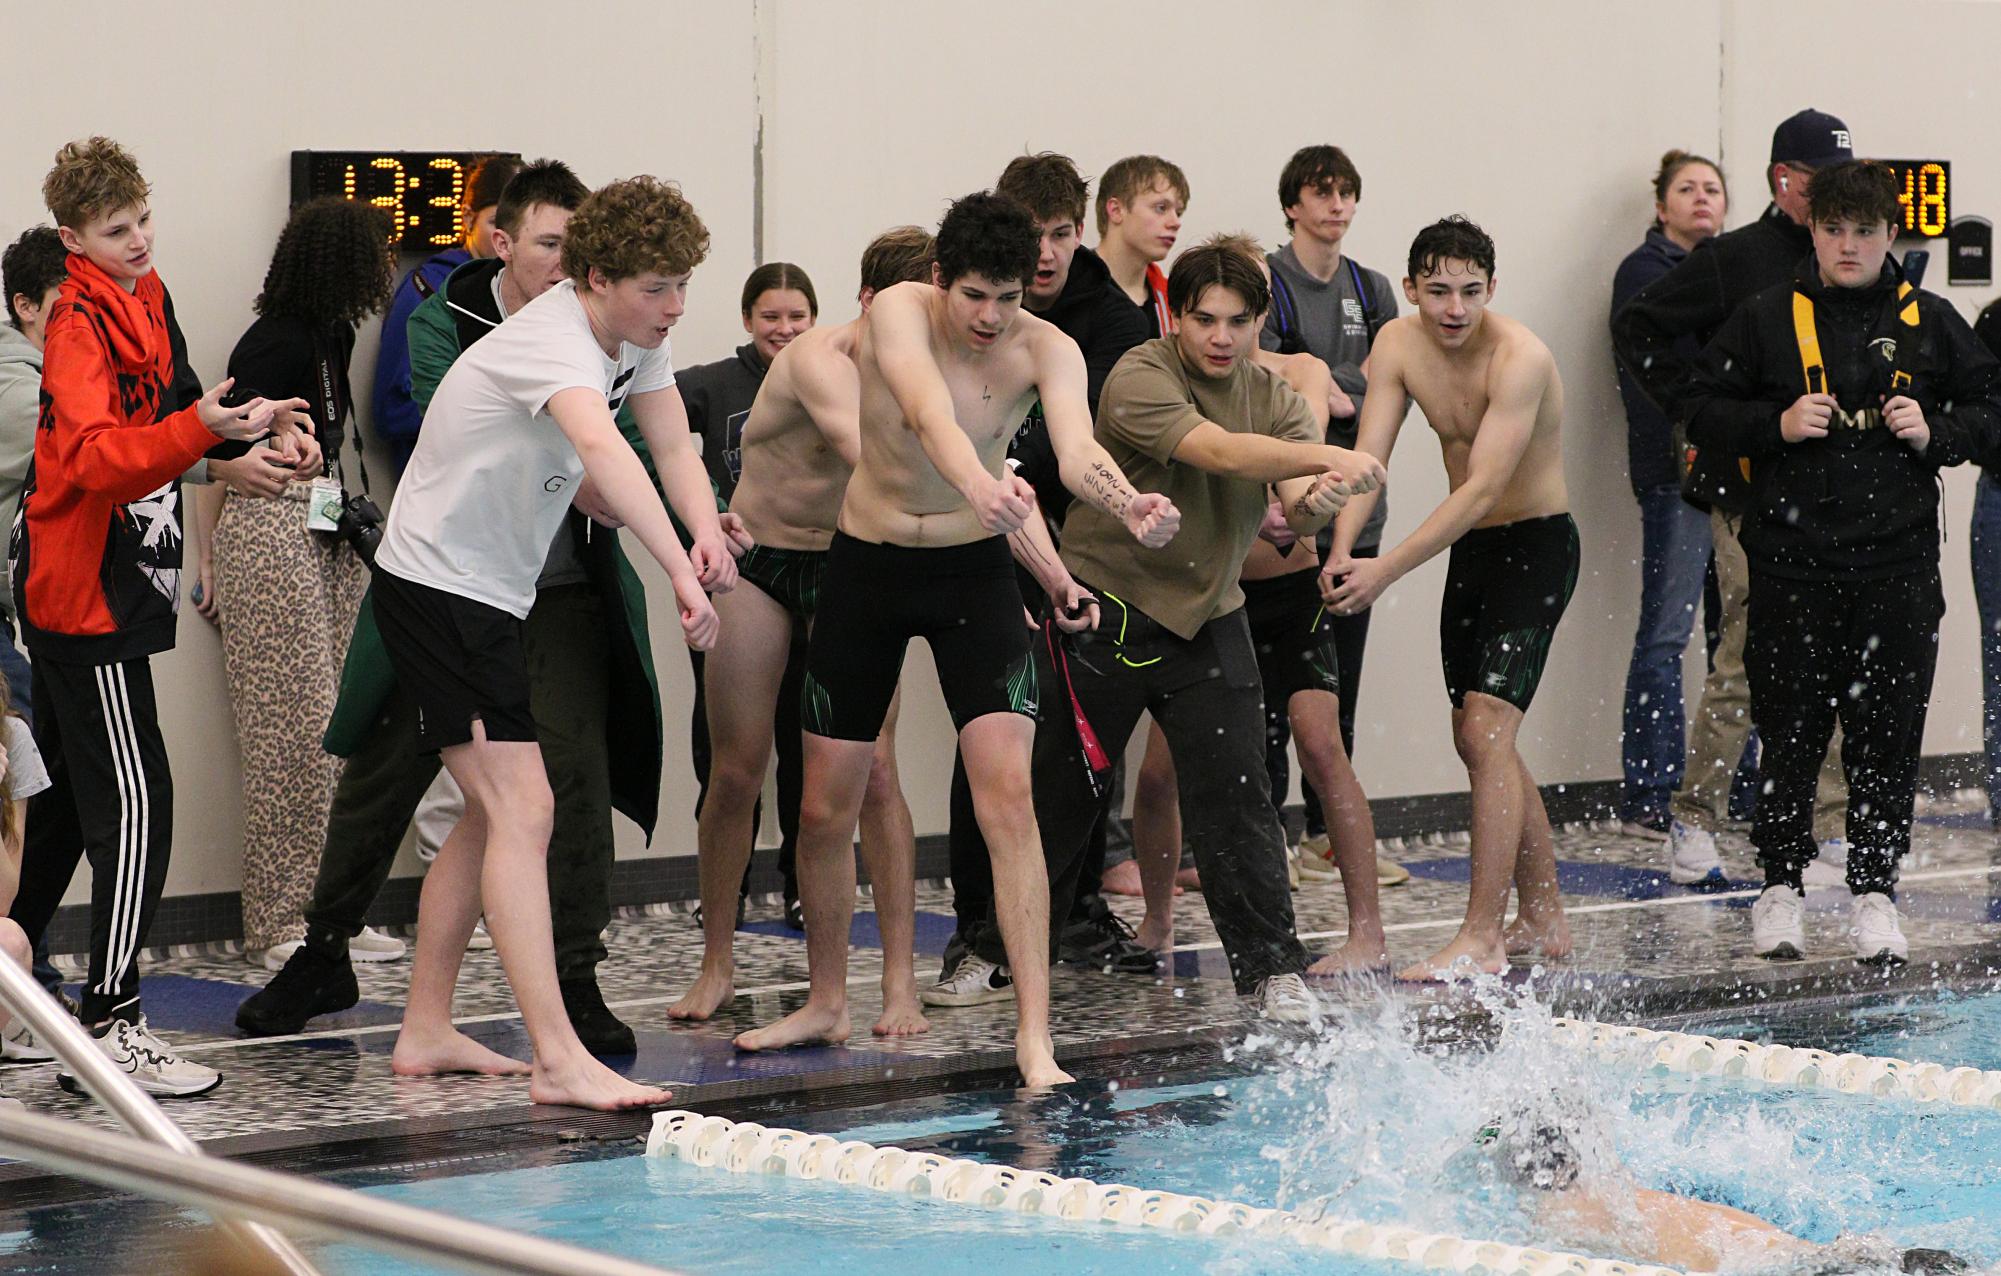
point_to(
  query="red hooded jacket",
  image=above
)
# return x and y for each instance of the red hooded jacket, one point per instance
(96, 549)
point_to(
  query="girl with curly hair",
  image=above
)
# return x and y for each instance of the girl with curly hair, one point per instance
(284, 593)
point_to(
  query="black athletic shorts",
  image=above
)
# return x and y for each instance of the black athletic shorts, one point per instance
(875, 598)
(1294, 636)
(791, 576)
(1505, 590)
(457, 659)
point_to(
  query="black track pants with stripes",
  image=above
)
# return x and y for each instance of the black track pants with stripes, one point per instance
(112, 800)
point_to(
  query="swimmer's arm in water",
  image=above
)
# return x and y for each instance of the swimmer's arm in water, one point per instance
(663, 422)
(1087, 469)
(1669, 1231)
(620, 479)
(1498, 443)
(900, 331)
(830, 393)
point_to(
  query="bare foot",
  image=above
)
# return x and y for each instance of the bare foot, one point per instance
(1549, 940)
(1037, 1061)
(712, 991)
(902, 1016)
(427, 1054)
(810, 1025)
(1188, 879)
(586, 1083)
(1156, 935)
(1460, 957)
(1123, 879)
(1354, 958)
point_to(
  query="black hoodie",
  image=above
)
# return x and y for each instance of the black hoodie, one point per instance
(1859, 504)
(718, 396)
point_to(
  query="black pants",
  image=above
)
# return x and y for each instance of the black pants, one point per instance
(1864, 650)
(787, 742)
(1351, 638)
(1204, 694)
(111, 800)
(568, 694)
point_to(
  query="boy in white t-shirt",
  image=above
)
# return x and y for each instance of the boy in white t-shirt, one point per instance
(22, 775)
(520, 420)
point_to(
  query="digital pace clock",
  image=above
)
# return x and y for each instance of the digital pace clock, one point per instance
(1924, 193)
(422, 191)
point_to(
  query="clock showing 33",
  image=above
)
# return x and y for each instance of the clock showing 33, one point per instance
(420, 190)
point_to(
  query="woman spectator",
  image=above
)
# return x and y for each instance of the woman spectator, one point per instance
(1690, 199)
(778, 304)
(283, 584)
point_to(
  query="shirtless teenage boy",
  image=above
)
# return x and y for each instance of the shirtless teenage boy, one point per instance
(799, 447)
(1491, 392)
(948, 371)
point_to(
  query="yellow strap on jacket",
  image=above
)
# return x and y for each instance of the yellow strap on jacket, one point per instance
(1809, 340)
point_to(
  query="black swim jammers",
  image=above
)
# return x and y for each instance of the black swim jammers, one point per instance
(791, 576)
(961, 599)
(1505, 590)
(1294, 635)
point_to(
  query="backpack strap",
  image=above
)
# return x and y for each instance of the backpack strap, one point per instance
(1807, 335)
(1285, 310)
(1361, 282)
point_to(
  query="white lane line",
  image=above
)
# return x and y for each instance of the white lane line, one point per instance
(1936, 875)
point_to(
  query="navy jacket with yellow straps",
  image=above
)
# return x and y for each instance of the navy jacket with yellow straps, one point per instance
(1860, 503)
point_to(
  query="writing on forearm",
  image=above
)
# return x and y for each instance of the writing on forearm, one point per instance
(1104, 488)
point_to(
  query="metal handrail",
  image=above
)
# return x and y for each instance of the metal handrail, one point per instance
(159, 1159)
(320, 1209)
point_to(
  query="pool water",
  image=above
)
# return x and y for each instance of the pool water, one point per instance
(1357, 1122)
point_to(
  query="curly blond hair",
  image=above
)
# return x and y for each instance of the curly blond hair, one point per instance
(630, 227)
(91, 178)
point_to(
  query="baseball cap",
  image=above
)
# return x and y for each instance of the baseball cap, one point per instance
(1811, 137)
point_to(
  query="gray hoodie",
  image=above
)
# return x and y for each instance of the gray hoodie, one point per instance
(20, 405)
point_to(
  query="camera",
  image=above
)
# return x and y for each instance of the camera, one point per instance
(360, 525)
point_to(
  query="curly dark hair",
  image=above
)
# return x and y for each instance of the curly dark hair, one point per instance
(630, 227)
(32, 264)
(1856, 190)
(988, 235)
(1453, 238)
(1047, 185)
(332, 265)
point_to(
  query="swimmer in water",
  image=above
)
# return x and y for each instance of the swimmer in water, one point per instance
(1535, 1148)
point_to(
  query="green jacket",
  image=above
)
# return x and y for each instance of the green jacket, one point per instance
(440, 330)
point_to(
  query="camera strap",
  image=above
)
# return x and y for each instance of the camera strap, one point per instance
(333, 413)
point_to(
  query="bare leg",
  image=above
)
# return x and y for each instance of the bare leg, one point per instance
(14, 947)
(506, 782)
(1156, 828)
(1316, 734)
(1484, 731)
(996, 747)
(1539, 926)
(889, 848)
(836, 775)
(742, 678)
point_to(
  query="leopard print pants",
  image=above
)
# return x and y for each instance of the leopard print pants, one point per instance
(287, 599)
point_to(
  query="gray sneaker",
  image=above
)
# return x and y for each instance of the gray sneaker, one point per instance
(20, 1045)
(1285, 999)
(975, 982)
(151, 1064)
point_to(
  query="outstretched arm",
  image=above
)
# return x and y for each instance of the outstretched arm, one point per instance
(1497, 449)
(663, 422)
(900, 338)
(1307, 503)
(1383, 411)
(621, 483)
(1088, 470)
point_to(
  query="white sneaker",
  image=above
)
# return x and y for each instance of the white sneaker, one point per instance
(20, 1045)
(1879, 939)
(274, 958)
(372, 945)
(480, 941)
(1778, 924)
(1830, 866)
(1692, 857)
(1285, 999)
(1315, 862)
(1292, 875)
(973, 982)
(1390, 873)
(145, 1058)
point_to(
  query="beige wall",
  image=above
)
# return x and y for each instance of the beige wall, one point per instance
(1541, 121)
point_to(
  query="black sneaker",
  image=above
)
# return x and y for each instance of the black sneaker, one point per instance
(739, 914)
(601, 1031)
(795, 913)
(1107, 943)
(308, 986)
(956, 949)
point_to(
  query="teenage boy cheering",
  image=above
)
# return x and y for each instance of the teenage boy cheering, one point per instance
(1848, 390)
(948, 370)
(1192, 417)
(1327, 304)
(96, 558)
(519, 420)
(1489, 389)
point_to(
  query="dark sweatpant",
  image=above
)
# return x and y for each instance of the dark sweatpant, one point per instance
(1205, 695)
(111, 799)
(568, 679)
(1861, 649)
